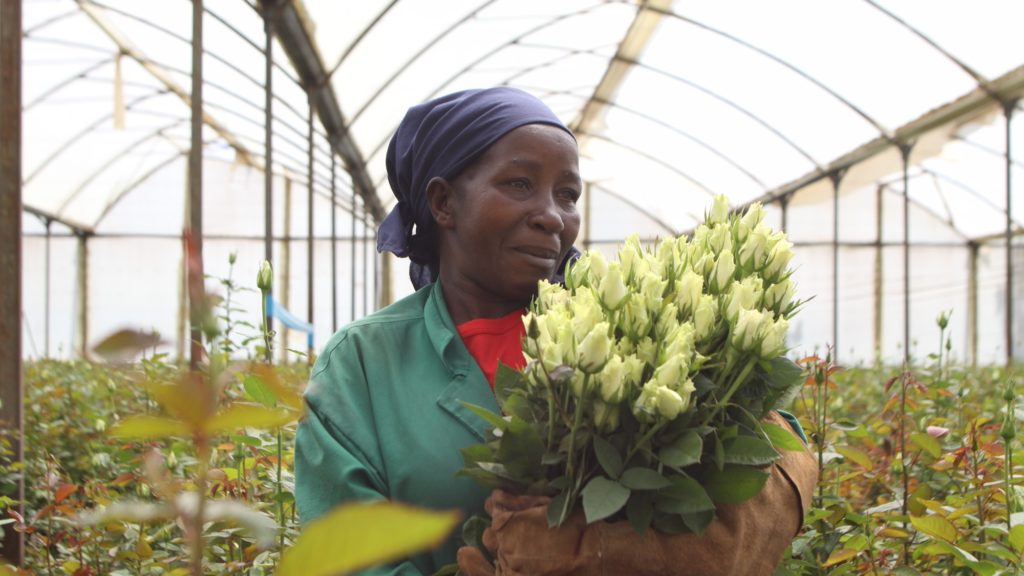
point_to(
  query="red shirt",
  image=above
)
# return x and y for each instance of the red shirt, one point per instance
(492, 339)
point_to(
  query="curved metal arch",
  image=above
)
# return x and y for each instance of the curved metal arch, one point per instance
(970, 190)
(567, 53)
(112, 160)
(49, 21)
(359, 38)
(416, 56)
(483, 57)
(646, 213)
(682, 133)
(650, 158)
(78, 135)
(139, 181)
(67, 82)
(982, 82)
(891, 186)
(986, 149)
(818, 83)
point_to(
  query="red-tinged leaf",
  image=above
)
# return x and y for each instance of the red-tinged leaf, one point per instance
(149, 427)
(42, 512)
(14, 514)
(124, 479)
(808, 360)
(64, 491)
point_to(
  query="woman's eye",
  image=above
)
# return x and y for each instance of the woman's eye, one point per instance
(570, 195)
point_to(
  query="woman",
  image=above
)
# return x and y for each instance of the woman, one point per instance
(487, 183)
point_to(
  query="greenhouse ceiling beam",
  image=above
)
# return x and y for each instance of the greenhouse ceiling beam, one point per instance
(125, 46)
(969, 106)
(294, 32)
(648, 16)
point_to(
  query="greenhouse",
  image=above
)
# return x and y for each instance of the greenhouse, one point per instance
(154, 152)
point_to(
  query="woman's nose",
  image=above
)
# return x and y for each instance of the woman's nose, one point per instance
(546, 215)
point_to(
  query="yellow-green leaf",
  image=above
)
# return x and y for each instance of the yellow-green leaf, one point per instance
(356, 536)
(890, 532)
(1017, 538)
(856, 455)
(125, 344)
(935, 526)
(249, 416)
(839, 556)
(927, 443)
(142, 427)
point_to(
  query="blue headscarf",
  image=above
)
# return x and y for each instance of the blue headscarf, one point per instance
(443, 137)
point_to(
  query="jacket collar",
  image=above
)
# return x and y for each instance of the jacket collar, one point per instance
(467, 383)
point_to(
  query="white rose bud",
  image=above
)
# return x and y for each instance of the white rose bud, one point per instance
(595, 349)
(613, 289)
(719, 210)
(774, 342)
(722, 273)
(666, 321)
(671, 372)
(688, 291)
(778, 296)
(685, 391)
(746, 331)
(681, 341)
(630, 253)
(551, 296)
(753, 216)
(606, 417)
(754, 250)
(670, 403)
(778, 259)
(652, 290)
(720, 239)
(704, 317)
(647, 351)
(265, 277)
(743, 295)
(598, 268)
(667, 256)
(613, 380)
(634, 368)
(635, 318)
(585, 312)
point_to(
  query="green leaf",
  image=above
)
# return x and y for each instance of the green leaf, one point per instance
(697, 522)
(749, 450)
(1017, 538)
(782, 438)
(507, 380)
(356, 536)
(935, 526)
(258, 390)
(857, 456)
(473, 532)
(719, 453)
(684, 496)
(602, 498)
(927, 443)
(683, 452)
(249, 416)
(557, 512)
(640, 510)
(144, 427)
(521, 449)
(477, 453)
(493, 419)
(643, 479)
(608, 457)
(786, 378)
(734, 483)
(125, 344)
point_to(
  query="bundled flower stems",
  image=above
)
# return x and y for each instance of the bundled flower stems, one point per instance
(648, 378)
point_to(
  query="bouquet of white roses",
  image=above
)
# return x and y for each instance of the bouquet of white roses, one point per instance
(647, 379)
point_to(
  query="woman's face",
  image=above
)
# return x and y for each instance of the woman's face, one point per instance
(513, 214)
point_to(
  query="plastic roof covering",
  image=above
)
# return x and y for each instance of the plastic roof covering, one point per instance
(739, 97)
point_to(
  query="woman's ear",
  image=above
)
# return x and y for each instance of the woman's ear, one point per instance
(441, 201)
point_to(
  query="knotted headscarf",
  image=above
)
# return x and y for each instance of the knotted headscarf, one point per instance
(443, 137)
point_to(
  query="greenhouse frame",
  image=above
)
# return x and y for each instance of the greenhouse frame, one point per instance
(882, 136)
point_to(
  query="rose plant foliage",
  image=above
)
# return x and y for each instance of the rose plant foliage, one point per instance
(647, 379)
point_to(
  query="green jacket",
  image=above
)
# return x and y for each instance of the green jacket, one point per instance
(385, 422)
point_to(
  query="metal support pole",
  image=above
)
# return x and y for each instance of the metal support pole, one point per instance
(352, 277)
(196, 289)
(309, 217)
(879, 273)
(268, 147)
(905, 155)
(46, 281)
(972, 302)
(1008, 112)
(11, 416)
(285, 269)
(334, 243)
(784, 207)
(588, 197)
(83, 295)
(836, 178)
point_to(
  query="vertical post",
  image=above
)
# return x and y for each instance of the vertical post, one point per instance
(268, 146)
(588, 198)
(1008, 112)
(879, 273)
(285, 272)
(836, 178)
(46, 280)
(334, 243)
(83, 295)
(352, 277)
(11, 418)
(972, 302)
(196, 290)
(905, 155)
(309, 217)
(784, 206)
